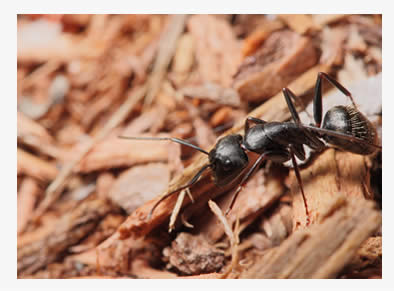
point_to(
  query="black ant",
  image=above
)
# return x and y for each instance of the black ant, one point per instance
(343, 127)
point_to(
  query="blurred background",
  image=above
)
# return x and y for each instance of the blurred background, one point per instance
(83, 80)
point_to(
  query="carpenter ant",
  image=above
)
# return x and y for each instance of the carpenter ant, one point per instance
(343, 127)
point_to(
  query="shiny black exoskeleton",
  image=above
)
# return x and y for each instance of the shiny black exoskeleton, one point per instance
(349, 121)
(343, 127)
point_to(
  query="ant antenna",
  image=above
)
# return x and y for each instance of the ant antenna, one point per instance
(174, 139)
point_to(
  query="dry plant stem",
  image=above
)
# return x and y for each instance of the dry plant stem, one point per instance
(166, 51)
(68, 231)
(176, 210)
(35, 167)
(233, 236)
(42, 72)
(27, 197)
(54, 189)
(323, 250)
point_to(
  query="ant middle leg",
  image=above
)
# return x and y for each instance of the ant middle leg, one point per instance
(243, 181)
(299, 180)
(312, 141)
(317, 99)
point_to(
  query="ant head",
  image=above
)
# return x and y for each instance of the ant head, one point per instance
(227, 159)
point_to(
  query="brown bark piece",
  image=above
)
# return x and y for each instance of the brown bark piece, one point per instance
(301, 23)
(370, 31)
(184, 55)
(283, 56)
(29, 127)
(104, 183)
(193, 255)
(355, 41)
(54, 189)
(144, 121)
(331, 173)
(166, 50)
(278, 226)
(221, 116)
(27, 198)
(333, 49)
(106, 227)
(323, 250)
(213, 92)
(69, 230)
(33, 48)
(325, 19)
(218, 52)
(139, 184)
(259, 35)
(115, 152)
(33, 166)
(367, 263)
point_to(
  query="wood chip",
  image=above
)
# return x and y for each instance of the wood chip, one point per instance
(325, 19)
(213, 92)
(367, 263)
(323, 250)
(184, 55)
(301, 23)
(29, 127)
(166, 51)
(27, 198)
(104, 183)
(33, 166)
(332, 172)
(139, 184)
(333, 50)
(282, 57)
(55, 188)
(259, 35)
(115, 152)
(193, 255)
(218, 52)
(83, 218)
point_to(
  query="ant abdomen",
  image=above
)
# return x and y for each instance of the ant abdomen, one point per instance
(349, 121)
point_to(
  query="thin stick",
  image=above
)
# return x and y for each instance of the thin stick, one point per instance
(167, 46)
(176, 210)
(233, 236)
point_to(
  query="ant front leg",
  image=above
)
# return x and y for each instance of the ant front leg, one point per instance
(245, 178)
(254, 120)
(317, 100)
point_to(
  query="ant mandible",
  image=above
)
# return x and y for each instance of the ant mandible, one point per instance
(343, 127)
